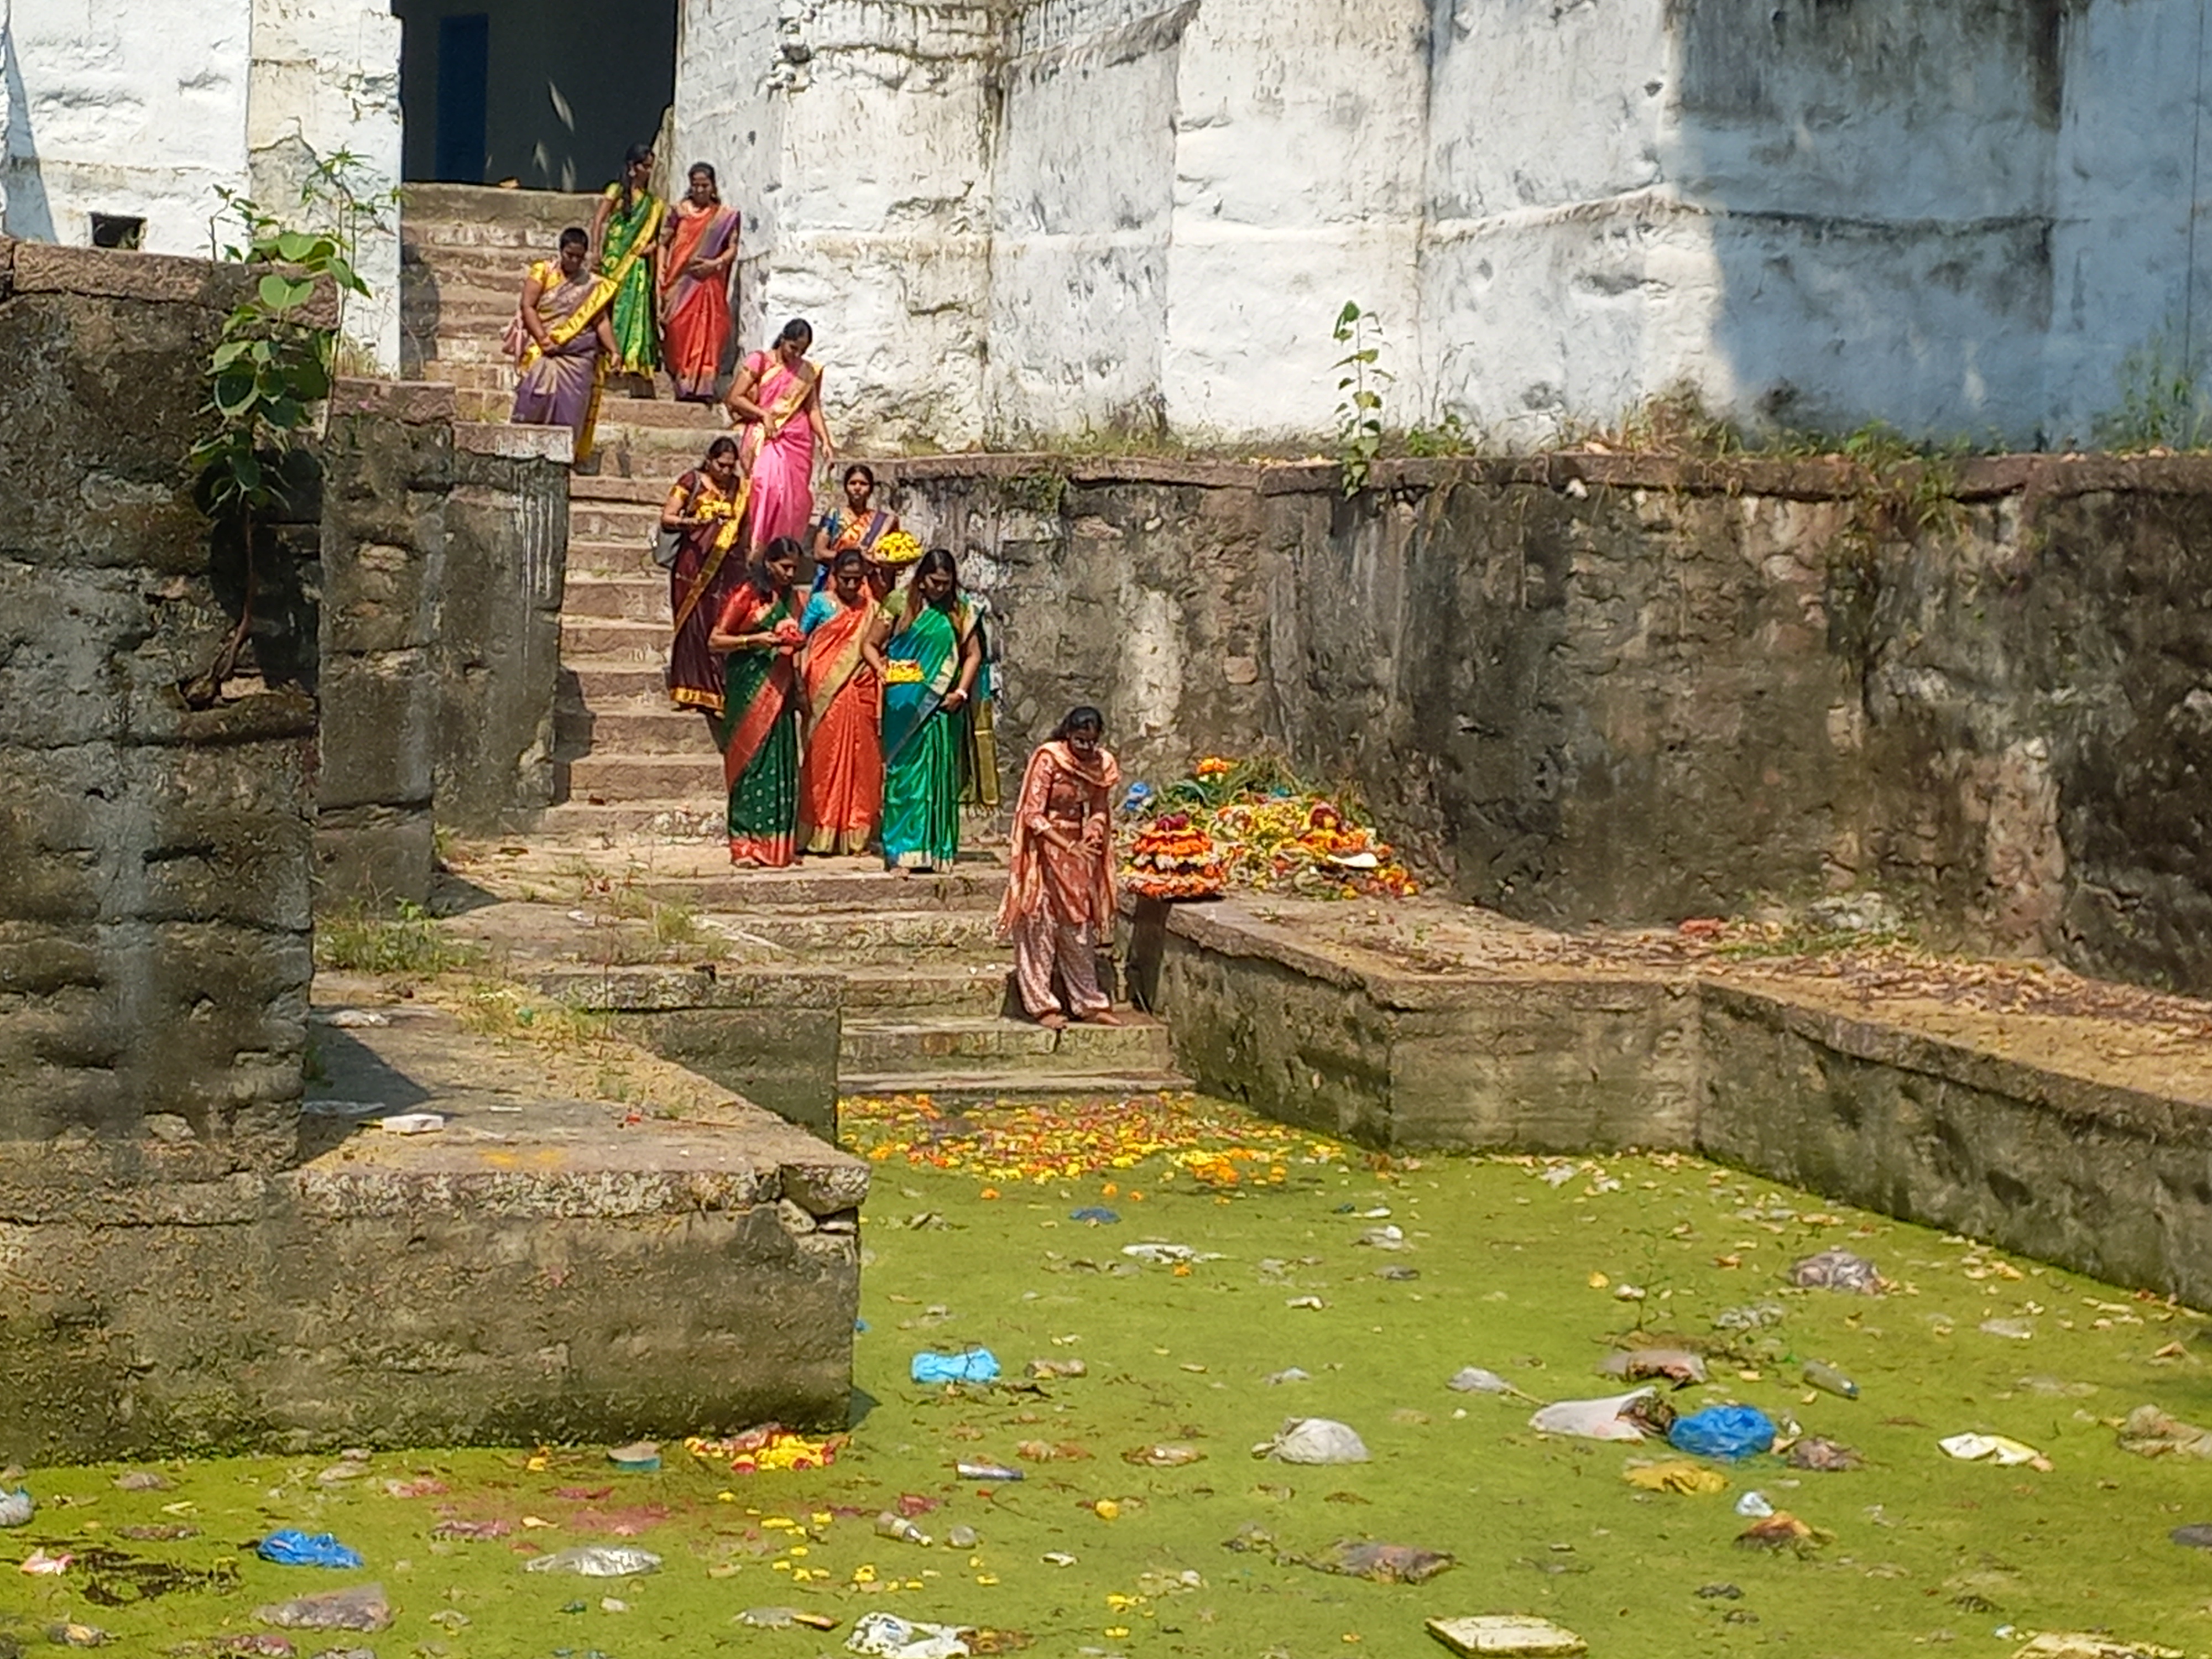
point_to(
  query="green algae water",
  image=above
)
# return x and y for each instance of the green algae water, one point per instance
(1377, 1282)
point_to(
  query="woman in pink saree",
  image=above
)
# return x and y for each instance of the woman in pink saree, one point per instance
(777, 398)
(699, 245)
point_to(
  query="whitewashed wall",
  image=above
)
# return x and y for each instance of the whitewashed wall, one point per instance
(146, 108)
(1071, 215)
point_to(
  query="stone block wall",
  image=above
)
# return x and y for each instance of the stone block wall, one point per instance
(499, 655)
(154, 896)
(1594, 688)
(388, 460)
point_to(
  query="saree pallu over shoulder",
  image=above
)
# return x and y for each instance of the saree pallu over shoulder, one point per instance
(1074, 888)
(559, 383)
(782, 462)
(841, 786)
(699, 587)
(696, 329)
(625, 260)
(760, 734)
(922, 743)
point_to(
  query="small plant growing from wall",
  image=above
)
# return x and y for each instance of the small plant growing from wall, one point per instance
(270, 372)
(2162, 404)
(1360, 380)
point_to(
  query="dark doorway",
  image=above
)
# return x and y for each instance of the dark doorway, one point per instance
(545, 94)
(463, 77)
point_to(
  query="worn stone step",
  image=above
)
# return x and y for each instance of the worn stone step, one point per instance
(622, 595)
(976, 989)
(610, 638)
(665, 411)
(614, 521)
(751, 899)
(599, 682)
(608, 778)
(621, 557)
(980, 1088)
(635, 728)
(688, 819)
(887, 1047)
(643, 491)
(862, 935)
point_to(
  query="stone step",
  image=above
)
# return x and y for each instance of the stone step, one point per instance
(621, 558)
(600, 682)
(665, 411)
(967, 1044)
(634, 728)
(975, 990)
(692, 819)
(828, 937)
(614, 521)
(611, 778)
(613, 641)
(760, 901)
(630, 596)
(1012, 1088)
(642, 491)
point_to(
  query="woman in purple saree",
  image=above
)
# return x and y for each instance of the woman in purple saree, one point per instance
(568, 340)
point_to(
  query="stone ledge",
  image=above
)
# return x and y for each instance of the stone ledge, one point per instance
(557, 444)
(416, 402)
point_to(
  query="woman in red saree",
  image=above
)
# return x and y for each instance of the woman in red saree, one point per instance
(841, 781)
(759, 630)
(777, 398)
(699, 244)
(1059, 886)
(707, 506)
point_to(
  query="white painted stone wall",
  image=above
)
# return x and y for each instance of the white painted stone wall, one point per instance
(1054, 217)
(146, 108)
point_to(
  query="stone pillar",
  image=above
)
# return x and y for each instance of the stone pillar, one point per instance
(387, 472)
(154, 949)
(499, 652)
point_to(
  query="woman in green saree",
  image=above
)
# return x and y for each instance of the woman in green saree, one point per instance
(929, 687)
(760, 709)
(626, 231)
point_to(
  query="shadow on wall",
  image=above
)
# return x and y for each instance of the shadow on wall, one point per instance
(24, 210)
(1934, 209)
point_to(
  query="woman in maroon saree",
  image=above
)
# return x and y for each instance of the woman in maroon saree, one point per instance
(708, 506)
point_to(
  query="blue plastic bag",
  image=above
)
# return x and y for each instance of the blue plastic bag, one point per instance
(1723, 1432)
(290, 1547)
(975, 1365)
(1096, 1215)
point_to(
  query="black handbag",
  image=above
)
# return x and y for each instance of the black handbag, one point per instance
(668, 545)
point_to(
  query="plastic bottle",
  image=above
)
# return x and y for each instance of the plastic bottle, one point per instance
(1827, 1377)
(889, 1525)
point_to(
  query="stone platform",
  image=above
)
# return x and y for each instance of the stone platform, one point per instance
(547, 1266)
(2067, 1118)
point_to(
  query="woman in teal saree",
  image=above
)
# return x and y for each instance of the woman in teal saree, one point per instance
(759, 630)
(929, 689)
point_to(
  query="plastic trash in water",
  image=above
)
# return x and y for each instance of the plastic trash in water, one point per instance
(886, 1636)
(1518, 1633)
(1096, 1215)
(1593, 1420)
(1830, 1380)
(1837, 1270)
(357, 1607)
(1814, 1452)
(986, 1472)
(1384, 1563)
(640, 1457)
(971, 1365)
(1752, 1506)
(40, 1563)
(1473, 1379)
(17, 1508)
(1677, 1365)
(598, 1561)
(1314, 1440)
(1290, 1374)
(288, 1547)
(410, 1123)
(1169, 1256)
(1727, 1432)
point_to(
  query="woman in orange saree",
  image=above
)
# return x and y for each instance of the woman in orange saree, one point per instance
(759, 630)
(1059, 885)
(841, 781)
(699, 244)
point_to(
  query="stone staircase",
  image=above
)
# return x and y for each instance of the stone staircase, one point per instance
(629, 760)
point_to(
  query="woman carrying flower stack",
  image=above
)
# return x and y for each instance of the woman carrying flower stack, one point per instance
(1060, 887)
(759, 629)
(841, 781)
(707, 506)
(929, 672)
